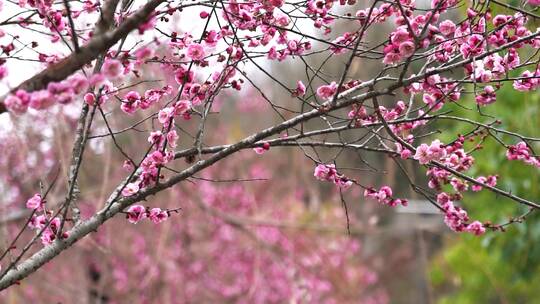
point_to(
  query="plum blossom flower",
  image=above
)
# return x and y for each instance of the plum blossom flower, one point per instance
(521, 151)
(131, 102)
(272, 53)
(47, 237)
(195, 51)
(424, 153)
(165, 114)
(400, 35)
(182, 106)
(385, 192)
(437, 150)
(473, 46)
(324, 172)
(455, 217)
(35, 202)
(130, 189)
(406, 48)
(384, 196)
(511, 59)
(459, 185)
(403, 152)
(443, 198)
(481, 74)
(260, 150)
(327, 91)
(89, 98)
(329, 173)
(157, 158)
(78, 83)
(157, 215)
(49, 234)
(135, 213)
(17, 103)
(490, 181)
(476, 228)
(392, 54)
(447, 27)
(528, 82)
(172, 138)
(343, 183)
(300, 89)
(155, 137)
(112, 68)
(37, 222)
(183, 76)
(486, 97)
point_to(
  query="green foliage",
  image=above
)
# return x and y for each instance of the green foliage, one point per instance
(498, 267)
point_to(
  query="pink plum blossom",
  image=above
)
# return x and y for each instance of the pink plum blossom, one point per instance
(135, 213)
(35, 202)
(195, 51)
(300, 89)
(130, 189)
(476, 228)
(112, 68)
(157, 215)
(327, 91)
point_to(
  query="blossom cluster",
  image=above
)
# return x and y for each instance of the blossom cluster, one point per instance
(133, 100)
(467, 39)
(385, 196)
(435, 151)
(63, 92)
(360, 116)
(457, 218)
(45, 224)
(528, 81)
(455, 158)
(36, 202)
(328, 172)
(136, 213)
(491, 181)
(452, 156)
(66, 91)
(436, 91)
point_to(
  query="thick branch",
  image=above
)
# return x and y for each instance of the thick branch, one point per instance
(67, 66)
